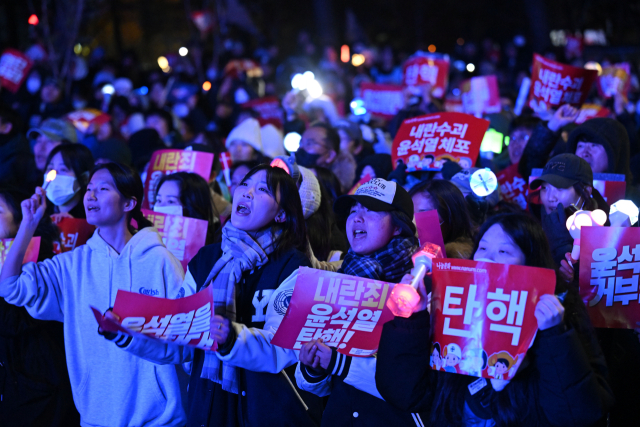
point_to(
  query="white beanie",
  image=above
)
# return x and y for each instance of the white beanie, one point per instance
(272, 141)
(248, 131)
(309, 192)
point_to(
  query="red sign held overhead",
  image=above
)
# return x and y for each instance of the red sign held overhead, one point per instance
(268, 109)
(14, 68)
(426, 142)
(483, 315)
(164, 162)
(555, 84)
(430, 69)
(613, 80)
(609, 271)
(347, 312)
(590, 111)
(382, 100)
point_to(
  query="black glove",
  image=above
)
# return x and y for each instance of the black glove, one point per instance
(555, 227)
(399, 174)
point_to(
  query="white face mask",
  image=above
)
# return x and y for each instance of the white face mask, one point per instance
(168, 210)
(61, 189)
(483, 260)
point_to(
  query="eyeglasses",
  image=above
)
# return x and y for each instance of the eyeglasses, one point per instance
(308, 143)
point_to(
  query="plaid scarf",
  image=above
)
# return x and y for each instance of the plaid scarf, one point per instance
(240, 252)
(388, 264)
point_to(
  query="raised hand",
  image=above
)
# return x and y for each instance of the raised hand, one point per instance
(562, 117)
(33, 209)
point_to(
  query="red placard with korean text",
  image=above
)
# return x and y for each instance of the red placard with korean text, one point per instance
(613, 80)
(183, 321)
(347, 312)
(183, 236)
(359, 184)
(483, 313)
(14, 68)
(30, 256)
(268, 109)
(74, 232)
(424, 68)
(513, 187)
(382, 100)
(426, 142)
(556, 84)
(609, 271)
(429, 231)
(480, 95)
(590, 111)
(164, 162)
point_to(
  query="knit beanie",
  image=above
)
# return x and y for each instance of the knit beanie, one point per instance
(272, 141)
(309, 192)
(248, 131)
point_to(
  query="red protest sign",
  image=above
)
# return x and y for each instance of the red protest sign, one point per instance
(453, 104)
(74, 232)
(183, 321)
(164, 162)
(556, 84)
(424, 68)
(82, 119)
(429, 231)
(590, 111)
(382, 100)
(268, 109)
(426, 142)
(480, 95)
(347, 312)
(609, 271)
(613, 80)
(30, 256)
(513, 187)
(14, 68)
(183, 236)
(359, 184)
(484, 313)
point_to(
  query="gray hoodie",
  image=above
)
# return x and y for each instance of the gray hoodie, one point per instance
(110, 387)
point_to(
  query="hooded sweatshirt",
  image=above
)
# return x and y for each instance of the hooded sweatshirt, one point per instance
(110, 387)
(612, 135)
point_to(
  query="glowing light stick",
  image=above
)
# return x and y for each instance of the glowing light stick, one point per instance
(483, 182)
(404, 297)
(581, 219)
(51, 175)
(623, 213)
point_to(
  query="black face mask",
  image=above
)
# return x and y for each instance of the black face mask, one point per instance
(306, 159)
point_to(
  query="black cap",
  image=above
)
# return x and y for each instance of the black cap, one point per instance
(377, 195)
(565, 170)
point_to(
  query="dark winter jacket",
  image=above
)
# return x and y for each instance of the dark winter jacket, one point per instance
(265, 399)
(17, 165)
(34, 382)
(564, 383)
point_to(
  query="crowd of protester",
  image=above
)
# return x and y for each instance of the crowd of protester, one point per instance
(265, 222)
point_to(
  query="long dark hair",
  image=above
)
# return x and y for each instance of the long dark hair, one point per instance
(195, 198)
(294, 234)
(451, 206)
(518, 403)
(322, 231)
(129, 185)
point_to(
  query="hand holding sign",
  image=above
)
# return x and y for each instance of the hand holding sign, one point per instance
(549, 312)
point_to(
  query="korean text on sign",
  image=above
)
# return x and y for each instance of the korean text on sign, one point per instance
(487, 308)
(183, 236)
(30, 256)
(426, 142)
(347, 312)
(14, 66)
(558, 84)
(184, 321)
(609, 272)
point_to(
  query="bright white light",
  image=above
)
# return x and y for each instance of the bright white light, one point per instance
(309, 76)
(314, 89)
(628, 208)
(353, 104)
(292, 141)
(470, 67)
(183, 51)
(108, 89)
(298, 82)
